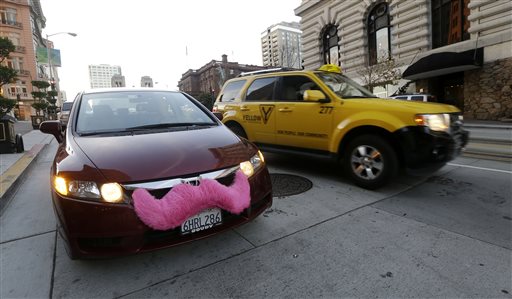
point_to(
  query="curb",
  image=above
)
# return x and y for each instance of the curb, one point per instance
(11, 179)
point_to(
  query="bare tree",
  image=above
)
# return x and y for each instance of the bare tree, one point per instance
(289, 56)
(385, 71)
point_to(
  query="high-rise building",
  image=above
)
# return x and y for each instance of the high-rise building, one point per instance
(146, 81)
(22, 22)
(100, 76)
(281, 45)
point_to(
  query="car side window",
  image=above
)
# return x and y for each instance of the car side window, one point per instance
(231, 91)
(401, 98)
(417, 98)
(261, 90)
(293, 87)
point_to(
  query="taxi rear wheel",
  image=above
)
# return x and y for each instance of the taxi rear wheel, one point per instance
(237, 129)
(370, 161)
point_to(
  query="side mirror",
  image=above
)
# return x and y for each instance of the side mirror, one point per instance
(219, 115)
(52, 127)
(315, 96)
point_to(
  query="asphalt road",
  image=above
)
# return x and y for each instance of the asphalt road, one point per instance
(444, 235)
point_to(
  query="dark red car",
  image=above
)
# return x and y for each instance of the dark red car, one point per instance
(142, 169)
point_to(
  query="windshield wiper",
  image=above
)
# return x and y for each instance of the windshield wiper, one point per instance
(92, 133)
(169, 125)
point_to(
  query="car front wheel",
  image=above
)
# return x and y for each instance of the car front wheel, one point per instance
(370, 161)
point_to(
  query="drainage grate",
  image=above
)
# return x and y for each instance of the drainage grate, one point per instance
(289, 184)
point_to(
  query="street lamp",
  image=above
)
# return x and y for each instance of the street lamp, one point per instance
(48, 50)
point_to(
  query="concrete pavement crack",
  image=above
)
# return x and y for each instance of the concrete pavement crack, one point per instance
(26, 237)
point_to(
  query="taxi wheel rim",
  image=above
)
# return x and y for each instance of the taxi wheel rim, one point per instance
(367, 162)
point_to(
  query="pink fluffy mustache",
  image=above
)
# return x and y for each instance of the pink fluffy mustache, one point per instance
(185, 201)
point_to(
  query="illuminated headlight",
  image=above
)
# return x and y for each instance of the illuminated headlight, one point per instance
(111, 192)
(249, 167)
(435, 122)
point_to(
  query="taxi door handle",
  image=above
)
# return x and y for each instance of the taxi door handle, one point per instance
(244, 108)
(285, 110)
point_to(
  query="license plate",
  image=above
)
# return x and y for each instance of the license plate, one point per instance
(204, 220)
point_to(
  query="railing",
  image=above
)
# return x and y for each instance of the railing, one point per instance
(23, 72)
(12, 23)
(23, 95)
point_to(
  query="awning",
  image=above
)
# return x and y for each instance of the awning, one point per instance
(443, 63)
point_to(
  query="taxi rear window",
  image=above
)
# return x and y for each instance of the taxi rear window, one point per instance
(232, 91)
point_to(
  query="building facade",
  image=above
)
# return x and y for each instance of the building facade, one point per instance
(210, 78)
(118, 81)
(281, 45)
(22, 22)
(146, 81)
(458, 50)
(100, 76)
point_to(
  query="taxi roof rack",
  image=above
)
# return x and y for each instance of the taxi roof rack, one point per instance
(279, 69)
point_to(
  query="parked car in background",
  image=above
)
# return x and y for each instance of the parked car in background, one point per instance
(63, 115)
(141, 169)
(416, 97)
(323, 113)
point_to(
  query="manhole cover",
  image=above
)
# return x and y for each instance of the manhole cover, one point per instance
(289, 184)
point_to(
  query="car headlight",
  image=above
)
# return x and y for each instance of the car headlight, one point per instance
(111, 192)
(249, 167)
(435, 122)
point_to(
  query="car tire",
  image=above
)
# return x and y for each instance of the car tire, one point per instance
(237, 129)
(370, 161)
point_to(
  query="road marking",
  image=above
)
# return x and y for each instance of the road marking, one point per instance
(480, 168)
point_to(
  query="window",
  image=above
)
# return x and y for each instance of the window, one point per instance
(15, 63)
(450, 22)
(330, 41)
(293, 87)
(8, 15)
(261, 90)
(379, 46)
(232, 91)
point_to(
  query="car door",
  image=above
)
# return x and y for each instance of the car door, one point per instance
(257, 110)
(300, 123)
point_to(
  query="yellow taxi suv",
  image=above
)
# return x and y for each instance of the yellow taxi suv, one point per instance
(324, 113)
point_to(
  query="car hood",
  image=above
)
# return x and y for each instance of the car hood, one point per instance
(155, 156)
(402, 105)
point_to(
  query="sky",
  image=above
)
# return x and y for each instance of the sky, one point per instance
(157, 38)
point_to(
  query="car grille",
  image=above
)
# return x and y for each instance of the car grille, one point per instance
(226, 180)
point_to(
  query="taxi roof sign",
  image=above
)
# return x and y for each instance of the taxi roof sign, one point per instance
(330, 68)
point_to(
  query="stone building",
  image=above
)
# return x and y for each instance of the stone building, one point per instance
(210, 78)
(458, 50)
(146, 81)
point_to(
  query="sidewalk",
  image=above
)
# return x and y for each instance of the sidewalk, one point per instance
(12, 166)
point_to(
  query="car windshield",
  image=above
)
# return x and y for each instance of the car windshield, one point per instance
(343, 86)
(122, 111)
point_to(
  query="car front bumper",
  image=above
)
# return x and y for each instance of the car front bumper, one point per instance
(97, 230)
(424, 148)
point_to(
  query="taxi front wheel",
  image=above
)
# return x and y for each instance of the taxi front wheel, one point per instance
(237, 129)
(370, 161)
